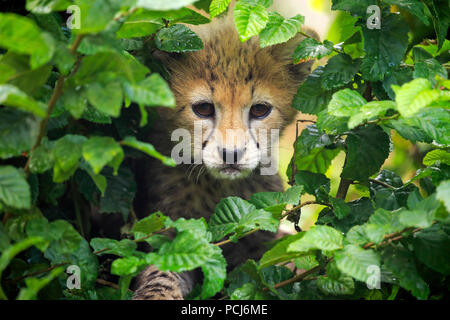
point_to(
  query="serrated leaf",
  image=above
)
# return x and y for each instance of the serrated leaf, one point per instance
(339, 286)
(67, 152)
(356, 262)
(431, 248)
(422, 214)
(13, 97)
(150, 224)
(250, 19)
(318, 237)
(18, 132)
(355, 7)
(339, 71)
(163, 5)
(401, 262)
(311, 97)
(152, 91)
(443, 193)
(234, 214)
(106, 97)
(100, 151)
(279, 29)
(367, 149)
(436, 155)
(414, 7)
(14, 189)
(22, 35)
(122, 248)
(178, 38)
(217, 7)
(369, 111)
(139, 24)
(384, 47)
(413, 96)
(345, 103)
(311, 48)
(279, 252)
(316, 184)
(42, 158)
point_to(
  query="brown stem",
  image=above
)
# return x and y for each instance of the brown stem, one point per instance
(57, 92)
(35, 273)
(343, 188)
(384, 184)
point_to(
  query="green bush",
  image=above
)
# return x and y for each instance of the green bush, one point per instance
(66, 137)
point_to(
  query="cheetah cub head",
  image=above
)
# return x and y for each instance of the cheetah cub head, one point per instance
(233, 98)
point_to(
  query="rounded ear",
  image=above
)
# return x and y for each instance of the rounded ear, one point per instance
(284, 52)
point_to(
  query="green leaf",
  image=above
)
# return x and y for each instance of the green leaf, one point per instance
(384, 47)
(152, 91)
(127, 266)
(370, 111)
(217, 7)
(95, 15)
(233, 214)
(436, 155)
(148, 149)
(429, 69)
(434, 122)
(150, 224)
(139, 24)
(279, 29)
(14, 189)
(21, 35)
(414, 7)
(318, 237)
(74, 101)
(186, 252)
(355, 7)
(18, 132)
(311, 97)
(279, 253)
(443, 193)
(431, 248)
(101, 151)
(275, 202)
(67, 152)
(122, 248)
(250, 19)
(336, 286)
(34, 285)
(310, 48)
(346, 103)
(440, 18)
(105, 97)
(401, 263)
(422, 214)
(120, 192)
(13, 97)
(12, 251)
(413, 96)
(306, 262)
(42, 158)
(46, 6)
(316, 184)
(339, 71)
(178, 38)
(163, 5)
(314, 150)
(381, 223)
(397, 76)
(367, 149)
(214, 272)
(340, 207)
(356, 262)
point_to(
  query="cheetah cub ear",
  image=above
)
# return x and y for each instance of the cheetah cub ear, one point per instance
(284, 51)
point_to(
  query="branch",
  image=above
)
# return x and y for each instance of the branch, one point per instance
(387, 239)
(57, 92)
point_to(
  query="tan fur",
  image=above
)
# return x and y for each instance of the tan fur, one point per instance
(233, 75)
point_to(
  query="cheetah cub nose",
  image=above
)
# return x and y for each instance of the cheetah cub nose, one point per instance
(231, 156)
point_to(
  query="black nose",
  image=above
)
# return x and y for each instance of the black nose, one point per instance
(231, 156)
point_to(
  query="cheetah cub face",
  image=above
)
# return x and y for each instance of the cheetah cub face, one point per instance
(234, 98)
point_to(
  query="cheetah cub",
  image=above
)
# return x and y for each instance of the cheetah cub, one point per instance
(231, 91)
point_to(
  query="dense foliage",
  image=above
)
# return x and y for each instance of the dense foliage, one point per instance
(76, 103)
